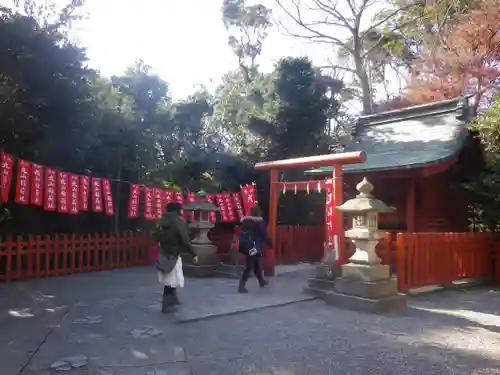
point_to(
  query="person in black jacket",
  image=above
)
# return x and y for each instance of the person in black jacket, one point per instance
(256, 227)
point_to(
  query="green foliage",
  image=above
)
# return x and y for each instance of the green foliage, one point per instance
(488, 127)
(247, 27)
(486, 187)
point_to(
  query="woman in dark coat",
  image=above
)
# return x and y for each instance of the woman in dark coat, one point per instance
(173, 238)
(255, 226)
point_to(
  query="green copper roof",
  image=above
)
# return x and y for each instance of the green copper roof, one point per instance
(408, 138)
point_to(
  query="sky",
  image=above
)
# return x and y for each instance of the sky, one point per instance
(184, 41)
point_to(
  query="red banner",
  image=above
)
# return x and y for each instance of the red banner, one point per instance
(329, 215)
(7, 167)
(238, 206)
(84, 193)
(167, 196)
(63, 198)
(178, 197)
(50, 189)
(96, 195)
(251, 197)
(108, 197)
(23, 181)
(37, 185)
(221, 203)
(229, 207)
(213, 215)
(191, 198)
(133, 203)
(148, 204)
(248, 197)
(74, 196)
(158, 200)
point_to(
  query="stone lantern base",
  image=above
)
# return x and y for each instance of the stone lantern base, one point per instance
(366, 287)
(208, 261)
(326, 272)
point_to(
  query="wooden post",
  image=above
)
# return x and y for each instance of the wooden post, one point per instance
(410, 206)
(338, 225)
(270, 255)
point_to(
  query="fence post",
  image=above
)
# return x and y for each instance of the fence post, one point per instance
(19, 258)
(30, 254)
(10, 251)
(72, 267)
(400, 261)
(64, 268)
(95, 266)
(38, 255)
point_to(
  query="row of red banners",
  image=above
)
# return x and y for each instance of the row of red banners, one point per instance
(69, 193)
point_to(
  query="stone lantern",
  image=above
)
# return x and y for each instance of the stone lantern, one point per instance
(208, 258)
(365, 284)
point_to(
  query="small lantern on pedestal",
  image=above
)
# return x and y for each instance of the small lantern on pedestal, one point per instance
(208, 258)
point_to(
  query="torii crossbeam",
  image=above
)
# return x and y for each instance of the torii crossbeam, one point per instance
(275, 167)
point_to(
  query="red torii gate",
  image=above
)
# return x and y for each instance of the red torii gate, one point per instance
(334, 160)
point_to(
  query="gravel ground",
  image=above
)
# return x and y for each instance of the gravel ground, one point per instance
(103, 323)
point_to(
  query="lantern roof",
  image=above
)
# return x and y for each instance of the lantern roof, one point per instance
(365, 202)
(201, 204)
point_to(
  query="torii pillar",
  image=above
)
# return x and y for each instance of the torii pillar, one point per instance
(275, 167)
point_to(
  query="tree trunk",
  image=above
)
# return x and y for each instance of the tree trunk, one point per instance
(117, 203)
(366, 90)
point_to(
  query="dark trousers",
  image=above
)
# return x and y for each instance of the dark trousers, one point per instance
(252, 264)
(169, 298)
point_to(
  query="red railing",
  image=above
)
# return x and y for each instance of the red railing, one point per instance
(424, 259)
(44, 256)
(296, 244)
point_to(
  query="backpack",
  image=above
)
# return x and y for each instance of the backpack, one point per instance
(246, 244)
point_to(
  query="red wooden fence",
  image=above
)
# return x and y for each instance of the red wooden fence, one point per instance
(296, 244)
(420, 259)
(497, 262)
(424, 259)
(44, 256)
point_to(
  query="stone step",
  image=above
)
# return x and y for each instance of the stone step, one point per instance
(379, 305)
(227, 275)
(367, 289)
(229, 271)
(315, 291)
(321, 284)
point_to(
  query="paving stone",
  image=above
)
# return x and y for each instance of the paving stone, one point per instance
(145, 333)
(453, 333)
(89, 319)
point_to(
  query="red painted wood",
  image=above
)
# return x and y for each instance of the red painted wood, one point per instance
(299, 244)
(425, 259)
(355, 157)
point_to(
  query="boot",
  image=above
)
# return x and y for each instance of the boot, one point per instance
(263, 283)
(175, 299)
(241, 287)
(168, 301)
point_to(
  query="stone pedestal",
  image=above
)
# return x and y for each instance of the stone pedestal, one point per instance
(367, 288)
(231, 265)
(208, 259)
(326, 273)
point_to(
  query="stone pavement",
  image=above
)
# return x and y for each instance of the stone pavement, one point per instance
(108, 323)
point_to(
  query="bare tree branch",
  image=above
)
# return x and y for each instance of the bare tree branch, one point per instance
(316, 36)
